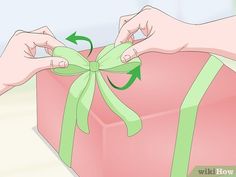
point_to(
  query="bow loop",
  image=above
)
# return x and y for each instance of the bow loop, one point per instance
(109, 59)
(77, 63)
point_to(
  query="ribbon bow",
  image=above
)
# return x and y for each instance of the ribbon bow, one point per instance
(81, 92)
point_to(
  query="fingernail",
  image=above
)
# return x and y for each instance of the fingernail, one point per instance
(126, 58)
(66, 63)
(62, 64)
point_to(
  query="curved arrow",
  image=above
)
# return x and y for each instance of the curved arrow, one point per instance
(135, 74)
(74, 38)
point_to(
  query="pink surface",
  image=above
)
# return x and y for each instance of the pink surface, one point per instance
(108, 152)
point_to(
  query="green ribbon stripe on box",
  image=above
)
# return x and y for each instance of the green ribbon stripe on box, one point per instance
(81, 92)
(188, 115)
(188, 112)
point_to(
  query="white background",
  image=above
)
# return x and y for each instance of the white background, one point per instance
(22, 151)
(98, 19)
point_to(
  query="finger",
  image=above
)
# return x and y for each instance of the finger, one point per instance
(43, 30)
(129, 29)
(18, 32)
(147, 7)
(41, 40)
(131, 39)
(48, 63)
(31, 51)
(136, 50)
(126, 34)
(125, 19)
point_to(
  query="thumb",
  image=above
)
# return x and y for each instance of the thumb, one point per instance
(136, 50)
(49, 63)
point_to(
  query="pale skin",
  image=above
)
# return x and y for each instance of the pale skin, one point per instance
(18, 62)
(166, 34)
(162, 32)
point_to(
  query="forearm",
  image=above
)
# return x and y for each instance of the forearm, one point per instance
(216, 37)
(3, 86)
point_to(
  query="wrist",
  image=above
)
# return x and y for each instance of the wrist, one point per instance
(196, 40)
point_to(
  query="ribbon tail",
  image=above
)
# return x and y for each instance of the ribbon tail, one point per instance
(130, 118)
(69, 120)
(84, 103)
(188, 114)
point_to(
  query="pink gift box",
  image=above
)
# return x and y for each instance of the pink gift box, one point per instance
(107, 151)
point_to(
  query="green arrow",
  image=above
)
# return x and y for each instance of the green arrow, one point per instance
(74, 38)
(135, 74)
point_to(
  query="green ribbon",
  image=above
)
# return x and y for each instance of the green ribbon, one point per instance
(80, 96)
(188, 112)
(188, 115)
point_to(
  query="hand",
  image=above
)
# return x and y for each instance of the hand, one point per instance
(18, 63)
(163, 33)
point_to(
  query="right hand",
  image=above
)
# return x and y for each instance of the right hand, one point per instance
(163, 33)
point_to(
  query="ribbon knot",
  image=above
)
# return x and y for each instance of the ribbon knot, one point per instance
(93, 66)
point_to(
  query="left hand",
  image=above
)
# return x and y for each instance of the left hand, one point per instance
(18, 62)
